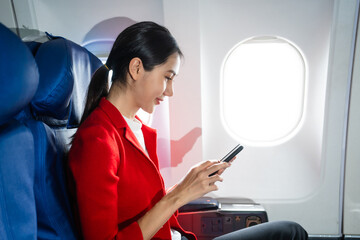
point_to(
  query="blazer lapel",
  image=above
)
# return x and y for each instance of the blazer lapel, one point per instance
(150, 142)
(130, 136)
(120, 123)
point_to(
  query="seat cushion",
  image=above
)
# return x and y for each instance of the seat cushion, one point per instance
(17, 200)
(54, 215)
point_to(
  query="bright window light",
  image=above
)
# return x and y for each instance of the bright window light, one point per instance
(263, 91)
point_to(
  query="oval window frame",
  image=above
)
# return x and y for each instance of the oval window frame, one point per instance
(297, 124)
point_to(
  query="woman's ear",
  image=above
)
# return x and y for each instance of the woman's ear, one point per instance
(135, 68)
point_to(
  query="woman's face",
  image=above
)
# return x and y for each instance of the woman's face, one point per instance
(154, 85)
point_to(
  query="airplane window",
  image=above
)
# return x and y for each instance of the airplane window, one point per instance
(263, 91)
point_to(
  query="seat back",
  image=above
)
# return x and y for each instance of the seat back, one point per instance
(65, 70)
(41, 101)
(18, 83)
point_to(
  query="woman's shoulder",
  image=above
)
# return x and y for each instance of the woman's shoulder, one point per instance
(98, 125)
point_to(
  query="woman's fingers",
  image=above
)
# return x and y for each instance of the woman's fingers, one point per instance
(220, 171)
(217, 169)
(207, 164)
(197, 182)
(202, 167)
(223, 170)
(215, 178)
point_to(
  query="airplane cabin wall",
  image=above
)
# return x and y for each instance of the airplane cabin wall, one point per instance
(352, 176)
(22, 14)
(309, 189)
(6, 14)
(206, 30)
(74, 19)
(291, 178)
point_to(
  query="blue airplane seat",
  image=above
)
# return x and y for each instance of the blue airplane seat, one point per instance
(33, 46)
(19, 79)
(65, 70)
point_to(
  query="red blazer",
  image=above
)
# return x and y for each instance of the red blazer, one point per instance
(115, 181)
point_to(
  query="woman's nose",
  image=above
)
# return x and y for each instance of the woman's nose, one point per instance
(169, 91)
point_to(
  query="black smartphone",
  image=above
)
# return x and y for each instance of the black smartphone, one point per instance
(230, 155)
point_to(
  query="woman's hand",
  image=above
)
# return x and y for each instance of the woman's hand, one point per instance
(197, 181)
(195, 184)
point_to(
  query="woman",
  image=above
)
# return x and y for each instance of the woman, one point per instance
(119, 190)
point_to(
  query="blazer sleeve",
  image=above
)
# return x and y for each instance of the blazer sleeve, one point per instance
(94, 160)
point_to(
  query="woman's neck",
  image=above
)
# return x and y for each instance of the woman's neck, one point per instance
(123, 100)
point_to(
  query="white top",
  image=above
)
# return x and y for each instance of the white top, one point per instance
(135, 126)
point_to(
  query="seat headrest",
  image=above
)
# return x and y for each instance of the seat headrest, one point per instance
(56, 81)
(65, 72)
(19, 75)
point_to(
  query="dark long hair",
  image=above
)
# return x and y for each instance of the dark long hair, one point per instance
(150, 42)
